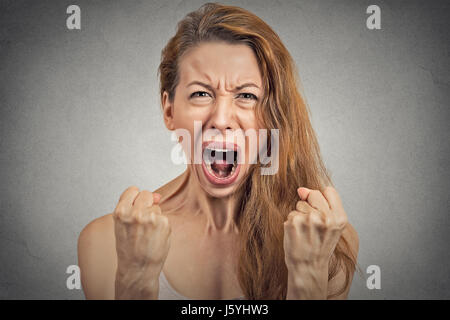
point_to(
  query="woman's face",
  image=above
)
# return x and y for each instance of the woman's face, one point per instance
(219, 87)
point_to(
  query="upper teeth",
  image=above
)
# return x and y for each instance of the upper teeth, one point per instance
(221, 150)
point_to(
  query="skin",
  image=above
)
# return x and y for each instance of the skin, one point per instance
(186, 228)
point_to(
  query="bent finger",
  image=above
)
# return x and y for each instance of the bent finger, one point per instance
(304, 207)
(333, 198)
(145, 199)
(315, 198)
(124, 206)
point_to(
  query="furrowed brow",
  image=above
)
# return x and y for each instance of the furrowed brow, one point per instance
(201, 84)
(247, 84)
(242, 86)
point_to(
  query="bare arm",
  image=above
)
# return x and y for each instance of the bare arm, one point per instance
(97, 258)
(121, 254)
(311, 234)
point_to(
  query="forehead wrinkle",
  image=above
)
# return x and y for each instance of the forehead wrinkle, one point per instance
(195, 71)
(239, 81)
(236, 82)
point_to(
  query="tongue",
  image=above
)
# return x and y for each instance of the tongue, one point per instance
(222, 164)
(221, 167)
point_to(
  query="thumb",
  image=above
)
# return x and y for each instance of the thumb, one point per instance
(303, 193)
(156, 197)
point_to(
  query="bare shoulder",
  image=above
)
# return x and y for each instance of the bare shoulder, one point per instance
(101, 224)
(99, 232)
(97, 258)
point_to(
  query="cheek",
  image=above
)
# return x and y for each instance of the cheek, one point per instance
(248, 123)
(247, 119)
(184, 120)
(185, 115)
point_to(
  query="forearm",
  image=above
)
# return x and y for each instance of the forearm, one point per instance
(137, 285)
(307, 283)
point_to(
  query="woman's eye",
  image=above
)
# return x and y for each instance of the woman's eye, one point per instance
(250, 96)
(200, 94)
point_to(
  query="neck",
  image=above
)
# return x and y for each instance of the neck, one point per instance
(219, 214)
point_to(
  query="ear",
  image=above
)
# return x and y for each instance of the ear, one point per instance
(167, 111)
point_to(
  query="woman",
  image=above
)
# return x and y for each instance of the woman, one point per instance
(222, 229)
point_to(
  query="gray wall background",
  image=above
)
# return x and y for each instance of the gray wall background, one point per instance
(80, 122)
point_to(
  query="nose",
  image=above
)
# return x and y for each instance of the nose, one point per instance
(223, 115)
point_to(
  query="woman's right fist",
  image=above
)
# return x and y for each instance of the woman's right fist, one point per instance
(142, 243)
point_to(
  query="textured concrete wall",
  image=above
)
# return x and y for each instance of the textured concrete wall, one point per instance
(80, 122)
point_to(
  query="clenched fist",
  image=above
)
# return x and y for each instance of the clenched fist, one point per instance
(311, 234)
(142, 244)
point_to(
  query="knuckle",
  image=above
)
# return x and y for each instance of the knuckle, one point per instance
(139, 220)
(141, 217)
(134, 213)
(288, 225)
(342, 222)
(121, 211)
(329, 221)
(342, 218)
(292, 214)
(316, 221)
(297, 219)
(133, 187)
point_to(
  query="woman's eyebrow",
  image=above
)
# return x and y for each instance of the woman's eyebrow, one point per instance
(201, 84)
(247, 84)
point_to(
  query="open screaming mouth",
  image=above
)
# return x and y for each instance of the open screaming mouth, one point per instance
(220, 162)
(217, 164)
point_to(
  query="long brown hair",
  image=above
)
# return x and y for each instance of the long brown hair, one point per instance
(266, 200)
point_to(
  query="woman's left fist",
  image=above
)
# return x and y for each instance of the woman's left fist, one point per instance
(313, 229)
